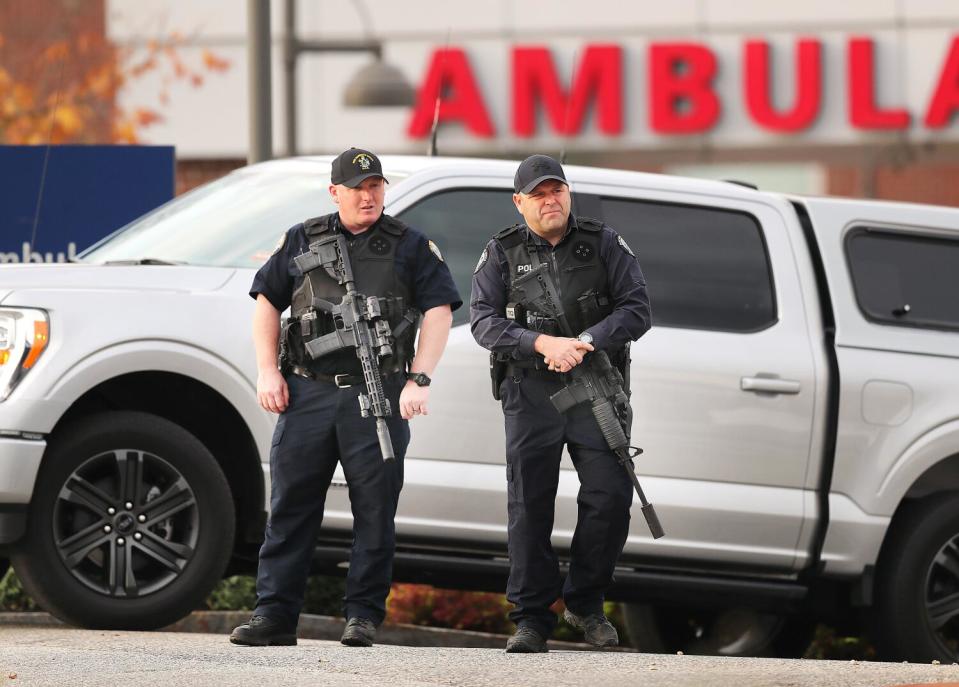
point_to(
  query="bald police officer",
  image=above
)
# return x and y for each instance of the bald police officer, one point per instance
(317, 399)
(603, 294)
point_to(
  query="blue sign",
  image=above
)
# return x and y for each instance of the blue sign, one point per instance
(85, 193)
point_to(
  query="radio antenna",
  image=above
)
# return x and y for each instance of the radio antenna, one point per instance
(46, 158)
(569, 108)
(431, 151)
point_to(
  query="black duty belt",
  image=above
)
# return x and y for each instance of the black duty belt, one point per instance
(344, 381)
(517, 371)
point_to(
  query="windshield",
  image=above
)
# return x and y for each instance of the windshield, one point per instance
(235, 221)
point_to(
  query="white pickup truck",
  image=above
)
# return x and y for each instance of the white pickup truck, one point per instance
(797, 400)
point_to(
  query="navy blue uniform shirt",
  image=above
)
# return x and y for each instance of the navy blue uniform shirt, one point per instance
(629, 320)
(427, 276)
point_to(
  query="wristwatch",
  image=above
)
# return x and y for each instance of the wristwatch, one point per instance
(420, 378)
(585, 337)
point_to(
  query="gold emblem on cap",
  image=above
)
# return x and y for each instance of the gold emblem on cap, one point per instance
(364, 161)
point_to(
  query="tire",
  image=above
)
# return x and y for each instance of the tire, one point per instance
(134, 495)
(721, 632)
(917, 583)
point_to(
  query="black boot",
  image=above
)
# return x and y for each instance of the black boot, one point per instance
(526, 640)
(358, 632)
(263, 631)
(597, 630)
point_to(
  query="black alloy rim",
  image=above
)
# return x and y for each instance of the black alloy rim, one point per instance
(125, 523)
(942, 596)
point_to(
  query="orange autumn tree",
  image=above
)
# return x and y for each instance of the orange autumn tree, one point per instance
(66, 91)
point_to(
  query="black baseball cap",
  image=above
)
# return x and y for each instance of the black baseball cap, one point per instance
(536, 169)
(352, 166)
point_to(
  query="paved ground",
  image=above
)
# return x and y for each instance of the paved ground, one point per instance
(60, 656)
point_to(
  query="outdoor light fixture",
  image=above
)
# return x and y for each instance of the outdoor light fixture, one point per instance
(377, 85)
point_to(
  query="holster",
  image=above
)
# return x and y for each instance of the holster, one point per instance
(497, 373)
(283, 360)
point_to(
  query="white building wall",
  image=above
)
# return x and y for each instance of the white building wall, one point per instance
(912, 41)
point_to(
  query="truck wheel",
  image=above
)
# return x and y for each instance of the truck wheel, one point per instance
(723, 632)
(130, 526)
(917, 585)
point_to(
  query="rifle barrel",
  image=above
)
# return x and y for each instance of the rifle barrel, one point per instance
(649, 512)
(386, 444)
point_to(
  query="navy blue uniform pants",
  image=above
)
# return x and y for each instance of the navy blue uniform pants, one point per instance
(321, 426)
(535, 435)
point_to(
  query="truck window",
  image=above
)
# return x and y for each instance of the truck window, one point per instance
(461, 222)
(904, 279)
(706, 268)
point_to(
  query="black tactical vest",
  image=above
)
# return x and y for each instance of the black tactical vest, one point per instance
(372, 258)
(577, 270)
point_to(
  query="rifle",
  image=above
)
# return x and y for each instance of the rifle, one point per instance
(595, 381)
(359, 323)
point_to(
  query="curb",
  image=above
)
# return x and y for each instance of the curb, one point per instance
(322, 627)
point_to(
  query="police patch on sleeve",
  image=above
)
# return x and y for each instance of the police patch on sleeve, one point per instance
(279, 244)
(436, 251)
(625, 246)
(482, 261)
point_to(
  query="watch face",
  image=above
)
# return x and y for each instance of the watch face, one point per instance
(420, 379)
(586, 337)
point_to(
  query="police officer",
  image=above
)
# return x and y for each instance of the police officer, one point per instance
(317, 400)
(603, 293)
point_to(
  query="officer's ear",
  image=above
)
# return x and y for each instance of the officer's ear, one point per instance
(333, 194)
(517, 201)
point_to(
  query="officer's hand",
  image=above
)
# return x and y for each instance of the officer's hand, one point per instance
(271, 391)
(413, 400)
(561, 354)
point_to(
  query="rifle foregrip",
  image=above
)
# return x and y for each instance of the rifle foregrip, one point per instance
(609, 424)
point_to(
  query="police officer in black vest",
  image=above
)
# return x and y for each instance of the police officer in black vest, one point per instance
(317, 399)
(603, 294)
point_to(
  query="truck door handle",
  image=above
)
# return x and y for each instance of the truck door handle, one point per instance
(769, 385)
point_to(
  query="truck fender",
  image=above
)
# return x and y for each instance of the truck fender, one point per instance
(166, 356)
(931, 448)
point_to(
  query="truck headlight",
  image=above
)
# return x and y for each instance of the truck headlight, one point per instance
(24, 336)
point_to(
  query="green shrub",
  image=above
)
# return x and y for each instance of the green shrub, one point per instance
(237, 593)
(829, 644)
(12, 595)
(324, 595)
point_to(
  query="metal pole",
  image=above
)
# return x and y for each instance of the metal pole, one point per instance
(289, 74)
(260, 98)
